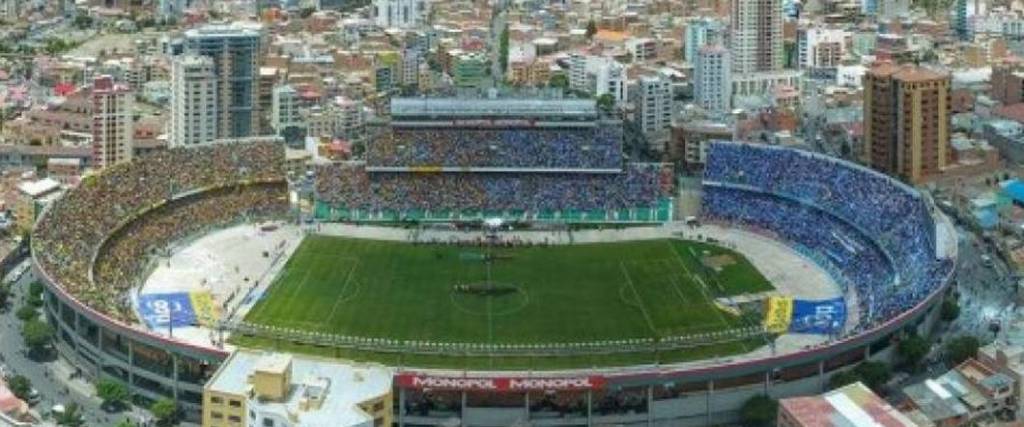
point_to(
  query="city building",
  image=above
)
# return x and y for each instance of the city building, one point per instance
(820, 47)
(850, 405)
(712, 82)
(285, 109)
(654, 109)
(690, 140)
(700, 32)
(961, 26)
(112, 131)
(235, 51)
(33, 197)
(1007, 82)
(597, 75)
(907, 121)
(257, 389)
(755, 32)
(469, 70)
(193, 101)
(964, 395)
(403, 14)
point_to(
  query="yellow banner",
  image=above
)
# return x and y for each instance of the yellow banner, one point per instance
(207, 313)
(778, 314)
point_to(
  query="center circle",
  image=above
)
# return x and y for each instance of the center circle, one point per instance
(483, 299)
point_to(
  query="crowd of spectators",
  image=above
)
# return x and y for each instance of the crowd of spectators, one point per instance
(597, 147)
(72, 230)
(124, 256)
(351, 186)
(878, 233)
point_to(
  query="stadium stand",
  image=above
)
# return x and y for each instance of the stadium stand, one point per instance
(69, 237)
(591, 147)
(353, 187)
(872, 232)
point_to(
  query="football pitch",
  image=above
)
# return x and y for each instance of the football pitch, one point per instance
(525, 295)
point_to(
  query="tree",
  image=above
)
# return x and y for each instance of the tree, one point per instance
(950, 310)
(910, 351)
(961, 348)
(37, 334)
(306, 12)
(20, 386)
(71, 416)
(83, 21)
(5, 291)
(873, 374)
(591, 29)
(606, 102)
(35, 289)
(165, 411)
(113, 393)
(560, 81)
(842, 378)
(758, 411)
(125, 423)
(26, 313)
(503, 49)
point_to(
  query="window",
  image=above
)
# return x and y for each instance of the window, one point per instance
(216, 400)
(234, 418)
(235, 403)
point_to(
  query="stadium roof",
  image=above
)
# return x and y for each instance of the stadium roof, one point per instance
(453, 107)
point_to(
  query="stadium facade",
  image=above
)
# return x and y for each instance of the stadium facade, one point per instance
(98, 334)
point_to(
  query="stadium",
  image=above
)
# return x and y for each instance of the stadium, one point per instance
(505, 259)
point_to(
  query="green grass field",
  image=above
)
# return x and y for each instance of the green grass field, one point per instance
(557, 294)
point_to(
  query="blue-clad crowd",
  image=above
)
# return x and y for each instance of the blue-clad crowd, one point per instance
(351, 186)
(878, 233)
(597, 147)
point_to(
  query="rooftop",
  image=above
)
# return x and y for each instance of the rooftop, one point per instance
(852, 405)
(341, 386)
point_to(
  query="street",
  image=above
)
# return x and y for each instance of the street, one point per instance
(52, 378)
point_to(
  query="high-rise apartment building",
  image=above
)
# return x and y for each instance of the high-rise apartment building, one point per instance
(654, 109)
(756, 36)
(193, 101)
(699, 33)
(907, 115)
(112, 107)
(285, 109)
(405, 14)
(235, 52)
(820, 47)
(712, 83)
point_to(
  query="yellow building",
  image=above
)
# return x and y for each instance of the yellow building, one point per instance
(272, 389)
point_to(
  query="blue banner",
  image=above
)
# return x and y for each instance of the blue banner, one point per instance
(818, 317)
(167, 310)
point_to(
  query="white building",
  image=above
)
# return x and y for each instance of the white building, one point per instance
(284, 109)
(654, 109)
(597, 75)
(404, 14)
(700, 32)
(343, 118)
(275, 389)
(712, 83)
(756, 36)
(815, 46)
(193, 101)
(112, 131)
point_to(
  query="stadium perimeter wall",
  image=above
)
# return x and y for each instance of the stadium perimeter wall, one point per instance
(155, 367)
